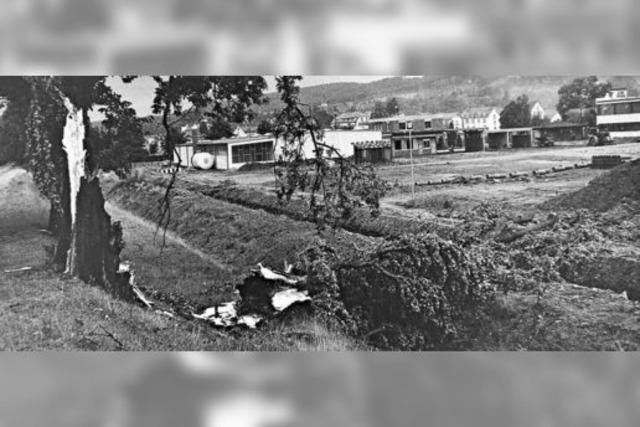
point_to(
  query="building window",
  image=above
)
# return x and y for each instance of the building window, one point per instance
(623, 108)
(427, 124)
(397, 144)
(635, 107)
(426, 143)
(252, 153)
(402, 125)
(409, 125)
(605, 109)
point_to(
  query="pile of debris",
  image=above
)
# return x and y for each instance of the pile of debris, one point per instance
(500, 177)
(263, 295)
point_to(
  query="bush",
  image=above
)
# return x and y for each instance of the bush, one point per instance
(411, 293)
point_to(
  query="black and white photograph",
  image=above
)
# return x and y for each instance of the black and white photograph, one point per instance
(343, 213)
(294, 213)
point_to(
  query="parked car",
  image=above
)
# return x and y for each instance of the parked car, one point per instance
(599, 137)
(543, 140)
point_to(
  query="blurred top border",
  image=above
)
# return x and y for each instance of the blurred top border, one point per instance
(308, 37)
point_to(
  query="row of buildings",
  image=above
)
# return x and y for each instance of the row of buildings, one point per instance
(372, 141)
(472, 118)
(403, 136)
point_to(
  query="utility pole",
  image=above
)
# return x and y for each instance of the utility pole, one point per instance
(413, 181)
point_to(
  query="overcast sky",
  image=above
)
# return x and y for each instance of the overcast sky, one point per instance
(140, 91)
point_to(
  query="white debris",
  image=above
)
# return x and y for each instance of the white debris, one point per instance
(269, 274)
(285, 298)
(124, 267)
(16, 270)
(141, 296)
(250, 320)
(226, 314)
(624, 295)
(166, 313)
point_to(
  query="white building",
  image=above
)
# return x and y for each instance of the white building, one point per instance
(537, 111)
(351, 121)
(229, 153)
(541, 113)
(619, 113)
(341, 140)
(232, 153)
(481, 118)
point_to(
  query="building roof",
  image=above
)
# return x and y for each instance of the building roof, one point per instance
(352, 116)
(372, 144)
(478, 111)
(223, 141)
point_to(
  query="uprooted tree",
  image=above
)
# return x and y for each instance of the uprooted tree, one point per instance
(64, 168)
(412, 291)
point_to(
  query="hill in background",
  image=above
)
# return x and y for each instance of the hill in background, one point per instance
(439, 93)
(418, 94)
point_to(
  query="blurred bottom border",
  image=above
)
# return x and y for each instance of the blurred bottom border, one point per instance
(347, 389)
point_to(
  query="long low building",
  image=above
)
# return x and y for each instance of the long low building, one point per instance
(229, 153)
(233, 153)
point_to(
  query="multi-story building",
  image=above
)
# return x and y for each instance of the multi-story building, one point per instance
(481, 118)
(619, 113)
(351, 121)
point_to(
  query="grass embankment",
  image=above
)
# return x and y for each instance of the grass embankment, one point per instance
(43, 310)
(239, 237)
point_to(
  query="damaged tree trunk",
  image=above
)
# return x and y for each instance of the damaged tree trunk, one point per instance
(95, 243)
(64, 170)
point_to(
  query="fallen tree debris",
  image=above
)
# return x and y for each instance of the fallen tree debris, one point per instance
(497, 176)
(17, 270)
(508, 234)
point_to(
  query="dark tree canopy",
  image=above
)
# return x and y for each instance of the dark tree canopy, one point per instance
(581, 94)
(516, 113)
(228, 98)
(216, 128)
(15, 98)
(323, 117)
(379, 110)
(392, 107)
(265, 126)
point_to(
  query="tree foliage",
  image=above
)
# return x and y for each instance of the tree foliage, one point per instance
(379, 110)
(334, 189)
(581, 94)
(216, 128)
(223, 98)
(120, 140)
(392, 107)
(227, 98)
(265, 126)
(516, 113)
(15, 99)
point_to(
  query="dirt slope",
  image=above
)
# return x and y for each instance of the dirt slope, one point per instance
(604, 192)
